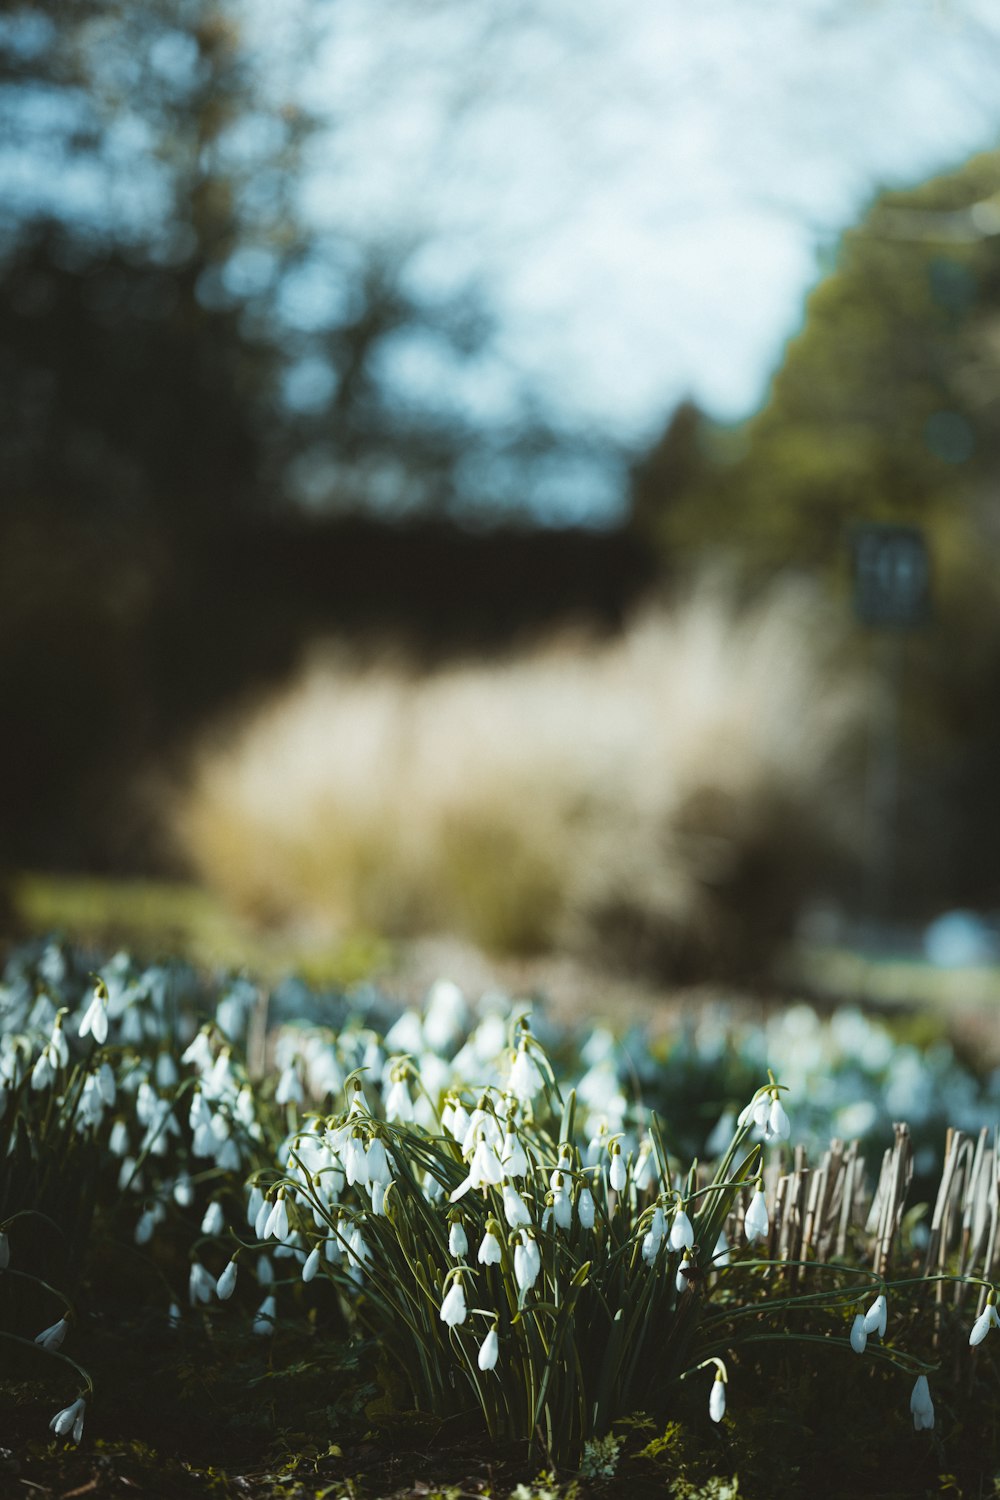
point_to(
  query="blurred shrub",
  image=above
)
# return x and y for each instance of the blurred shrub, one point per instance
(662, 800)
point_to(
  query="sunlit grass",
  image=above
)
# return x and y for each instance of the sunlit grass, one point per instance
(156, 917)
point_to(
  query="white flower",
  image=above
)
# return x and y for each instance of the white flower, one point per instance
(525, 1079)
(585, 1208)
(527, 1262)
(921, 1405)
(875, 1317)
(214, 1221)
(398, 1104)
(484, 1169)
(289, 1090)
(490, 1251)
(226, 1284)
(199, 1053)
(377, 1162)
(264, 1319)
(312, 1264)
(720, 1255)
(201, 1285)
(513, 1156)
(653, 1238)
(681, 1232)
(617, 1169)
(95, 1020)
(458, 1240)
(70, 1420)
(277, 1219)
(51, 1338)
(756, 1112)
(118, 1142)
(562, 1206)
(489, 1351)
(756, 1224)
(859, 1334)
(681, 1280)
(453, 1308)
(778, 1127)
(515, 1209)
(717, 1400)
(987, 1319)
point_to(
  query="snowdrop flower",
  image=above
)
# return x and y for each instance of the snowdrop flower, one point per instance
(398, 1104)
(778, 1127)
(921, 1405)
(357, 1252)
(490, 1251)
(58, 1045)
(756, 1112)
(642, 1174)
(859, 1334)
(717, 1400)
(654, 1236)
(265, 1316)
(681, 1231)
(289, 1090)
(562, 1204)
(458, 1240)
(875, 1317)
(987, 1319)
(585, 1208)
(720, 1255)
(255, 1203)
(226, 1284)
(756, 1224)
(277, 1219)
(527, 1261)
(515, 1210)
(69, 1421)
(95, 1019)
(489, 1351)
(51, 1339)
(617, 1168)
(199, 1053)
(147, 1223)
(166, 1070)
(484, 1169)
(682, 1280)
(525, 1078)
(377, 1162)
(118, 1141)
(513, 1156)
(201, 1285)
(453, 1308)
(44, 1071)
(214, 1221)
(378, 1192)
(263, 1218)
(311, 1264)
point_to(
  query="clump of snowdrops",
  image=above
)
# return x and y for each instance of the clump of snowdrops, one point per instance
(544, 1257)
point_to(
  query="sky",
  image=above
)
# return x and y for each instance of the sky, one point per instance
(638, 193)
(643, 189)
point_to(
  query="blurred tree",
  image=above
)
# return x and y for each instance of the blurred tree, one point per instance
(886, 408)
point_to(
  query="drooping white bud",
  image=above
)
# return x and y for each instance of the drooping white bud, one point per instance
(681, 1232)
(617, 1177)
(458, 1240)
(585, 1208)
(921, 1405)
(226, 1284)
(489, 1351)
(717, 1400)
(756, 1224)
(527, 1262)
(859, 1334)
(490, 1251)
(69, 1421)
(453, 1308)
(876, 1316)
(51, 1338)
